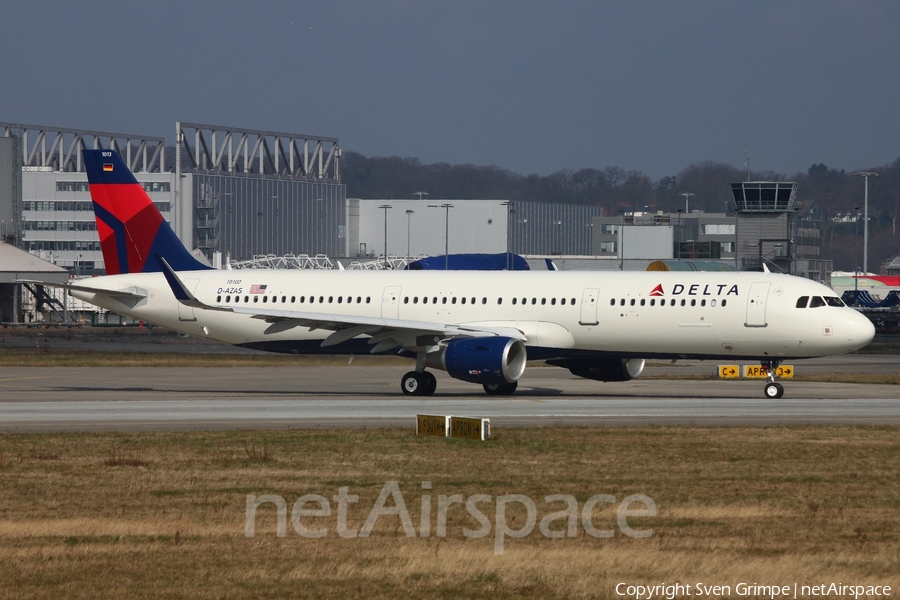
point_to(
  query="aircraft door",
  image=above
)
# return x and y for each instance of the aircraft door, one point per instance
(589, 300)
(756, 304)
(390, 303)
(186, 313)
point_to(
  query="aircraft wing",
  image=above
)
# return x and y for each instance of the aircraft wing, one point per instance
(386, 333)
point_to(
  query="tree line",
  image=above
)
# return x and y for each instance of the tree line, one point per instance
(836, 193)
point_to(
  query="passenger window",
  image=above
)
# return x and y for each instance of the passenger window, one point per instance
(573, 302)
(453, 301)
(801, 301)
(543, 301)
(349, 299)
(534, 301)
(330, 299)
(643, 301)
(553, 301)
(275, 299)
(693, 302)
(632, 302)
(463, 300)
(246, 298)
(321, 299)
(499, 300)
(473, 300)
(816, 302)
(293, 299)
(368, 299)
(682, 302)
(612, 301)
(265, 299)
(424, 299)
(703, 303)
(218, 298)
(255, 299)
(724, 302)
(415, 299)
(514, 301)
(444, 300)
(712, 303)
(622, 302)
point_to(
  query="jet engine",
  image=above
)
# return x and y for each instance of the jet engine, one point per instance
(485, 360)
(603, 369)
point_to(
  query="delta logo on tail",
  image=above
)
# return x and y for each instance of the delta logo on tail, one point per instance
(658, 290)
(133, 233)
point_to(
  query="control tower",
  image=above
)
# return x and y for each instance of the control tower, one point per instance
(765, 211)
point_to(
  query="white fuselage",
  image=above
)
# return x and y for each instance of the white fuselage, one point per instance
(695, 314)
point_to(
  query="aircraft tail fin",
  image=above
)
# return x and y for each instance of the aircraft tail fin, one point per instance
(133, 233)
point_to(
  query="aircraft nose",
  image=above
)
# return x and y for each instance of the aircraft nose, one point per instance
(861, 330)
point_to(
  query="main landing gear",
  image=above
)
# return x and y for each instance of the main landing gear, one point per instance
(418, 383)
(773, 389)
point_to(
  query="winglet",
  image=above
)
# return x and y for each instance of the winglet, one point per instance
(182, 294)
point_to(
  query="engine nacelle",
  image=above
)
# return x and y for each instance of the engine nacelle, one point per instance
(603, 369)
(482, 360)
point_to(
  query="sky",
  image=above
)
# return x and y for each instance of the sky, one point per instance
(533, 87)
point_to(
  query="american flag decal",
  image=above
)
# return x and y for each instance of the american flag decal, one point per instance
(257, 289)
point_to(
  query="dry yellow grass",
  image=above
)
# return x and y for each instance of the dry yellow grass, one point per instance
(769, 505)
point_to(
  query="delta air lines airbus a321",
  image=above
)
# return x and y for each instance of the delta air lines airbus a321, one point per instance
(478, 326)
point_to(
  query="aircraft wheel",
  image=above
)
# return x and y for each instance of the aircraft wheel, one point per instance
(413, 383)
(774, 390)
(430, 383)
(500, 389)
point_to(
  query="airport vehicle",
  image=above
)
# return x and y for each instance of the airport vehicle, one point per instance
(478, 326)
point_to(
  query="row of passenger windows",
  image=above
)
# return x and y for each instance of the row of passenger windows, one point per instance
(461, 300)
(484, 300)
(303, 299)
(818, 301)
(662, 302)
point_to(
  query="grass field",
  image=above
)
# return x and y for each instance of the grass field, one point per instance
(162, 515)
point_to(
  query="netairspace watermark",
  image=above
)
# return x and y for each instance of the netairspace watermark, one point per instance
(317, 506)
(670, 591)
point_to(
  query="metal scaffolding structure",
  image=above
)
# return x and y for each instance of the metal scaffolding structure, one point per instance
(230, 150)
(59, 148)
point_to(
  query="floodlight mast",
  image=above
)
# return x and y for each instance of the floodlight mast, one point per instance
(866, 174)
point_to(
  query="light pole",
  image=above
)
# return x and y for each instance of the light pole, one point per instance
(385, 207)
(447, 207)
(420, 194)
(687, 196)
(866, 174)
(680, 235)
(508, 206)
(856, 251)
(409, 214)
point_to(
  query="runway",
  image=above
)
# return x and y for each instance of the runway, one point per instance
(95, 399)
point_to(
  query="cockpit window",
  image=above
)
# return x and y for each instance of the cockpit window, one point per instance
(801, 301)
(817, 301)
(834, 301)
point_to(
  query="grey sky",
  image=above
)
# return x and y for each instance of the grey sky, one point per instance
(528, 86)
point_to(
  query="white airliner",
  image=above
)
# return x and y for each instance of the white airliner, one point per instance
(478, 326)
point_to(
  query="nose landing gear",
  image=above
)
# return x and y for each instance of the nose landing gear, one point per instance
(773, 389)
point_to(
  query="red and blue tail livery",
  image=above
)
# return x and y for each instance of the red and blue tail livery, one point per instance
(133, 233)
